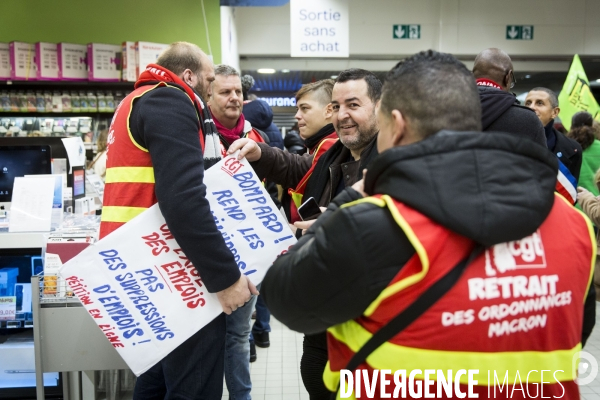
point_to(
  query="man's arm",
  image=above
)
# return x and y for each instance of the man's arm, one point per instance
(164, 121)
(337, 268)
(273, 164)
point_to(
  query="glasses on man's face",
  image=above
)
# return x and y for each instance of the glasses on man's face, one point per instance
(512, 79)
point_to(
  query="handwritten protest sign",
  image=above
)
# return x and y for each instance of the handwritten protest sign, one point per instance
(143, 292)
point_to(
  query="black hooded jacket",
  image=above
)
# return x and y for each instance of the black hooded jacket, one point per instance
(489, 188)
(260, 115)
(501, 112)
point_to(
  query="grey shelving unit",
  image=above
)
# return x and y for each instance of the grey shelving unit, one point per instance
(66, 339)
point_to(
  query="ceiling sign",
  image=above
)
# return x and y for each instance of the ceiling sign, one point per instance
(319, 28)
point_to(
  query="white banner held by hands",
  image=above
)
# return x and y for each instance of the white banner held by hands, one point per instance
(140, 288)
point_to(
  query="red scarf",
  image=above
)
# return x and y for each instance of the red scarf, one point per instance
(231, 135)
(209, 137)
(488, 83)
(155, 73)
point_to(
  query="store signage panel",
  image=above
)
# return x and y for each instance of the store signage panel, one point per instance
(279, 101)
(407, 31)
(142, 291)
(519, 32)
(319, 28)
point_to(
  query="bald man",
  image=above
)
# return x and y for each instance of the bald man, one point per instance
(155, 155)
(500, 110)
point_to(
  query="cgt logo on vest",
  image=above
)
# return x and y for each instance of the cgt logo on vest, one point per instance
(518, 254)
(232, 166)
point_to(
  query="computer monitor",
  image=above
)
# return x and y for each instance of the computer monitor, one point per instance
(16, 161)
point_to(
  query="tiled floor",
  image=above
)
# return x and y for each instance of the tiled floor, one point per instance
(276, 373)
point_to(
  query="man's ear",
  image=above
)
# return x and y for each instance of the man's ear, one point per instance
(399, 133)
(328, 111)
(555, 112)
(186, 76)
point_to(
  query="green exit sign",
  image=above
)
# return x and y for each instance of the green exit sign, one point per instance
(407, 32)
(519, 32)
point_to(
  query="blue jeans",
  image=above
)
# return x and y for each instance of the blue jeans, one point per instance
(263, 317)
(193, 371)
(237, 352)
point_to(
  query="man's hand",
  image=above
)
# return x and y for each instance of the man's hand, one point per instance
(304, 225)
(248, 148)
(293, 228)
(236, 295)
(581, 189)
(360, 185)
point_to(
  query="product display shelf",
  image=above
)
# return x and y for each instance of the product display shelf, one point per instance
(22, 114)
(65, 85)
(67, 340)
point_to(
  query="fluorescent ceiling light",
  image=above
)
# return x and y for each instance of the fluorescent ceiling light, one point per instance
(334, 76)
(285, 71)
(527, 76)
(265, 71)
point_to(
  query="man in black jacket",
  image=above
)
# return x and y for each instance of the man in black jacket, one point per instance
(353, 99)
(490, 189)
(545, 104)
(166, 123)
(500, 110)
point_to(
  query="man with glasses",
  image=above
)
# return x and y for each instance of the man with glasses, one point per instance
(501, 111)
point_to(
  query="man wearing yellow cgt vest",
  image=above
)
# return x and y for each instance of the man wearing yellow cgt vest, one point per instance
(446, 274)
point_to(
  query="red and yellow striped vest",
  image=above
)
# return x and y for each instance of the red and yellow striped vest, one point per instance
(297, 194)
(129, 181)
(516, 310)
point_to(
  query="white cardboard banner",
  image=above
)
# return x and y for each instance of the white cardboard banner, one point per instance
(141, 290)
(319, 28)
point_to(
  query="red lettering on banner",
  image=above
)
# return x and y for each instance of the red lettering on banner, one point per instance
(112, 337)
(156, 243)
(182, 279)
(232, 166)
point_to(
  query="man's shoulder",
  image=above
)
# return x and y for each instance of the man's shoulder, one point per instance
(163, 100)
(567, 145)
(518, 115)
(167, 91)
(363, 210)
(522, 112)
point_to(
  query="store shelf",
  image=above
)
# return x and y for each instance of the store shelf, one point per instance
(18, 114)
(71, 85)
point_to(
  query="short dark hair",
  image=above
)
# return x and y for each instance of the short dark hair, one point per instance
(180, 56)
(553, 97)
(434, 91)
(355, 74)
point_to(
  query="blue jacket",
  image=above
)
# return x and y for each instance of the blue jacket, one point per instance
(260, 115)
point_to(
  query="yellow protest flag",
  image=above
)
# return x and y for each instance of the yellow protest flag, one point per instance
(576, 95)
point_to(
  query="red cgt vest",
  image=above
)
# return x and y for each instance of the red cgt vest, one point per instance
(129, 189)
(516, 310)
(297, 194)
